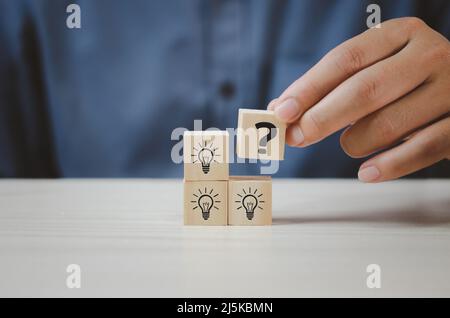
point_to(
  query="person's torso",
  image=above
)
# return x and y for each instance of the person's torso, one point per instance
(114, 90)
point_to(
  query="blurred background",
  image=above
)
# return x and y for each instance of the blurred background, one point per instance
(103, 100)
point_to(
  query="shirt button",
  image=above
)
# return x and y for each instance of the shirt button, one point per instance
(227, 90)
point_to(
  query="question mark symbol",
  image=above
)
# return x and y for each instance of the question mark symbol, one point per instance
(265, 139)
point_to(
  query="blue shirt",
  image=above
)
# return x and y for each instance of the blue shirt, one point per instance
(102, 101)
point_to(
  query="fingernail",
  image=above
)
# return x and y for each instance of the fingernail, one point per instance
(272, 104)
(297, 136)
(369, 174)
(287, 110)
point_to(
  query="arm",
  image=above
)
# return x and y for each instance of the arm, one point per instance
(25, 144)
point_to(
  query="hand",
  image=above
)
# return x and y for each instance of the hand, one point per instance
(390, 86)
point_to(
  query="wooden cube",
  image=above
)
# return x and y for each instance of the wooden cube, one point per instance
(206, 155)
(205, 202)
(250, 201)
(260, 135)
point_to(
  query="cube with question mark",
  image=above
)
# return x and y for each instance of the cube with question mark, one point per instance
(206, 155)
(260, 135)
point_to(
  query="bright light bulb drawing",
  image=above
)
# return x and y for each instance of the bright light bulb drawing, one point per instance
(250, 201)
(206, 201)
(205, 154)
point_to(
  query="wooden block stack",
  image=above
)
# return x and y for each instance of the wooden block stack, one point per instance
(206, 176)
(211, 196)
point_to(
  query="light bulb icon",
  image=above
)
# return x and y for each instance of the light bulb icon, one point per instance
(250, 201)
(205, 201)
(206, 156)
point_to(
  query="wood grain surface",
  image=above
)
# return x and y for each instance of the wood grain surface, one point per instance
(129, 240)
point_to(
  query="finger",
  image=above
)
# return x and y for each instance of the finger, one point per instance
(364, 93)
(426, 148)
(272, 104)
(341, 63)
(293, 135)
(397, 121)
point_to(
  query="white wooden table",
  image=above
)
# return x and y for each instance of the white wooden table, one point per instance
(128, 239)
